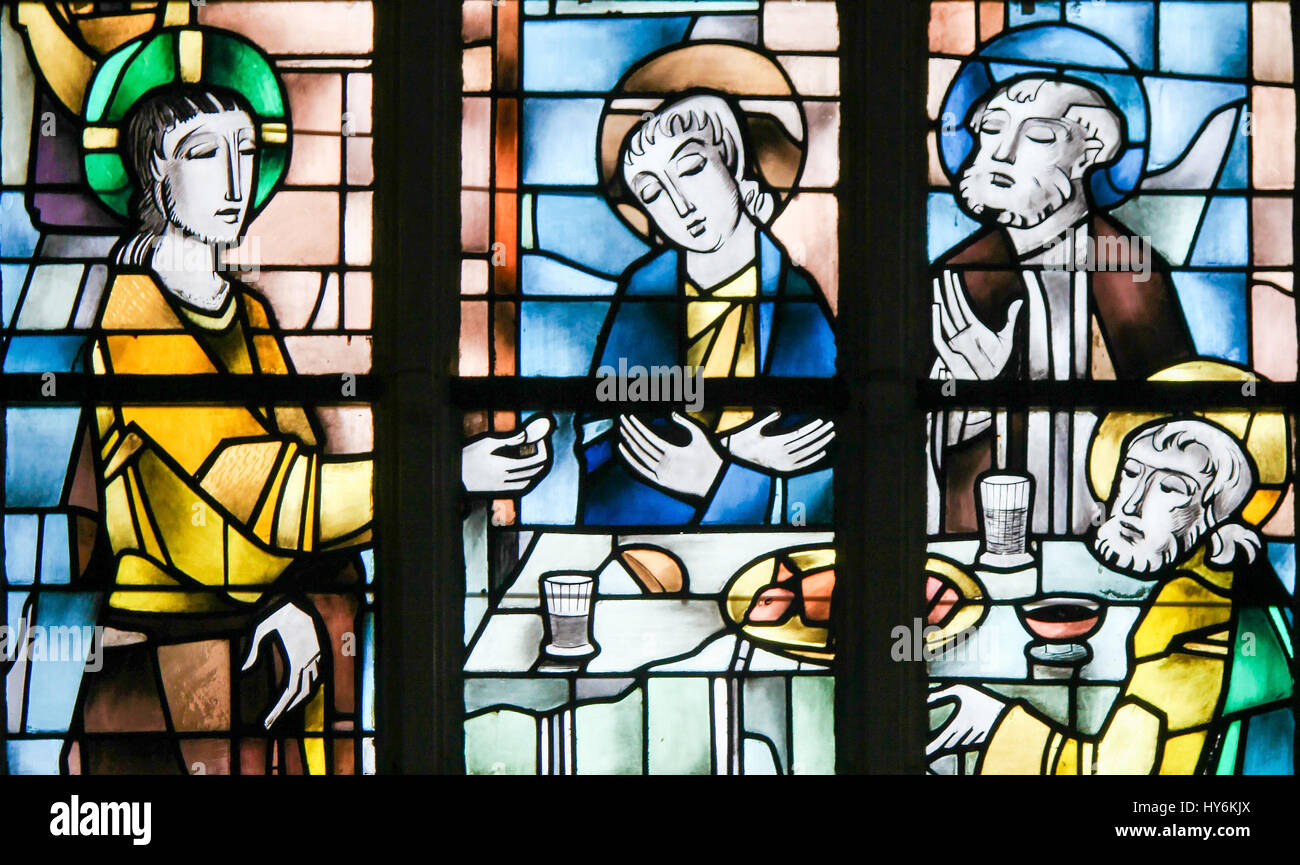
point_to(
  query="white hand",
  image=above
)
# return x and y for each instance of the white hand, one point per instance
(296, 632)
(782, 452)
(967, 347)
(976, 715)
(689, 469)
(484, 469)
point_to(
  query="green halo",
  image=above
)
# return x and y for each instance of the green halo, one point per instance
(177, 57)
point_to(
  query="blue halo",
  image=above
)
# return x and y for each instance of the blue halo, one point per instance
(1057, 49)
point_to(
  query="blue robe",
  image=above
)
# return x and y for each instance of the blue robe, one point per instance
(646, 327)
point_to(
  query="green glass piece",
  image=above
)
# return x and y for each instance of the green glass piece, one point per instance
(764, 701)
(272, 164)
(1094, 703)
(1275, 613)
(235, 65)
(526, 221)
(107, 175)
(1260, 673)
(1169, 220)
(153, 66)
(535, 695)
(609, 737)
(106, 79)
(1228, 756)
(813, 700)
(679, 726)
(501, 743)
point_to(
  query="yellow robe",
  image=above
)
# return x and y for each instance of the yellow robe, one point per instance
(1181, 650)
(218, 496)
(721, 340)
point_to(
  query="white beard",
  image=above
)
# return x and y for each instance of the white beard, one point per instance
(1143, 556)
(1030, 207)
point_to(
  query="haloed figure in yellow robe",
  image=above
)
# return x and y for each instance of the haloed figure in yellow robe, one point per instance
(221, 517)
(1173, 517)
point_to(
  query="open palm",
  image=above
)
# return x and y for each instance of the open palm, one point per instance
(969, 348)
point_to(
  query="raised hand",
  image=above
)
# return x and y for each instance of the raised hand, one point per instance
(781, 452)
(689, 469)
(968, 347)
(487, 466)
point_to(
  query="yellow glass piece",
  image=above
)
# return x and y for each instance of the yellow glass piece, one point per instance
(118, 518)
(346, 502)
(1183, 605)
(1129, 746)
(255, 310)
(177, 13)
(135, 303)
(722, 339)
(133, 570)
(238, 475)
(1186, 687)
(1267, 443)
(157, 353)
(99, 137)
(265, 518)
(275, 133)
(1182, 753)
(110, 439)
(293, 504)
(1207, 648)
(292, 419)
(148, 539)
(1019, 745)
(107, 33)
(191, 528)
(129, 444)
(314, 722)
(190, 434)
(190, 52)
(250, 566)
(64, 66)
(268, 355)
(1260, 506)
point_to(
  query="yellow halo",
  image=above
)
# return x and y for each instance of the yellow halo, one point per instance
(1264, 434)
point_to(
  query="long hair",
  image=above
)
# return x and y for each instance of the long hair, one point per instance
(151, 119)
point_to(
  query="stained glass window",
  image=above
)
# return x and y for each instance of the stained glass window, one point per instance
(185, 270)
(1111, 557)
(648, 292)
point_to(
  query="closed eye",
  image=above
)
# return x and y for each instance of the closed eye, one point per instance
(691, 164)
(203, 151)
(649, 192)
(1041, 135)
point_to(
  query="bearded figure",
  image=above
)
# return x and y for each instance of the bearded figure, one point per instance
(1050, 289)
(1173, 518)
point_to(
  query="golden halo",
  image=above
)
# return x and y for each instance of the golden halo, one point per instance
(1264, 434)
(769, 107)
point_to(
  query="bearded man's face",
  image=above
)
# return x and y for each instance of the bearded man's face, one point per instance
(1027, 159)
(1157, 511)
